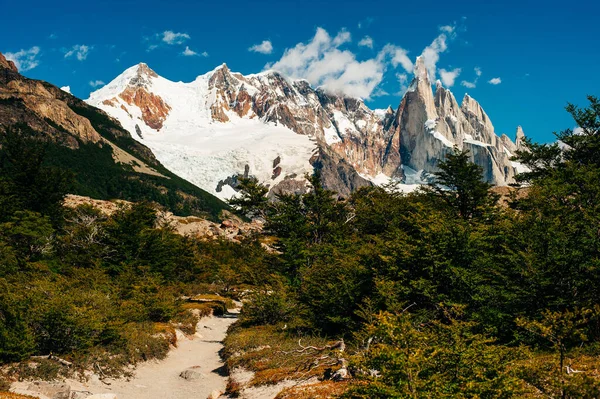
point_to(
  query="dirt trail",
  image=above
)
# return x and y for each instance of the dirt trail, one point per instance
(160, 379)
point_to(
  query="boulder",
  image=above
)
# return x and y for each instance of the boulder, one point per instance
(191, 374)
(50, 389)
(215, 394)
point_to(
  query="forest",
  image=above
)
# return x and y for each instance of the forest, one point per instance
(458, 290)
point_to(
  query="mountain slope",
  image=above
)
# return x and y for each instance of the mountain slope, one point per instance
(224, 124)
(106, 161)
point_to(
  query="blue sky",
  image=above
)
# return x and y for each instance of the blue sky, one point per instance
(540, 55)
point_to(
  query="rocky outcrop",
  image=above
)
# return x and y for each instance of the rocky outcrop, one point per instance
(354, 144)
(35, 104)
(7, 64)
(231, 228)
(520, 139)
(344, 126)
(430, 125)
(154, 109)
(338, 175)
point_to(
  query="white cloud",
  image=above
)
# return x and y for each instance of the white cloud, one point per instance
(366, 41)
(342, 37)
(66, 89)
(472, 84)
(24, 59)
(399, 56)
(79, 50)
(448, 77)
(448, 29)
(171, 37)
(322, 63)
(431, 54)
(96, 83)
(266, 47)
(495, 81)
(403, 81)
(188, 52)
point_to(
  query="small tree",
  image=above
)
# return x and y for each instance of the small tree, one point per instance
(563, 330)
(252, 200)
(580, 147)
(460, 184)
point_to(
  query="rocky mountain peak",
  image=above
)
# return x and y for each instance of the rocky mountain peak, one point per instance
(143, 76)
(520, 138)
(4, 63)
(420, 70)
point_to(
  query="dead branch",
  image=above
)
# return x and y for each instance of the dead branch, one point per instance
(55, 358)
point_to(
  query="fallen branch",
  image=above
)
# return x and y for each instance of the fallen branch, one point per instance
(337, 345)
(55, 358)
(102, 375)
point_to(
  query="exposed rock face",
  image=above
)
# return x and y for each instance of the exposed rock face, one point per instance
(343, 126)
(50, 110)
(32, 102)
(337, 175)
(4, 63)
(520, 138)
(351, 144)
(137, 93)
(154, 110)
(429, 126)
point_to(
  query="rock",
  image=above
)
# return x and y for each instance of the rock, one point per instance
(51, 390)
(428, 127)
(215, 394)
(227, 224)
(103, 396)
(80, 395)
(341, 374)
(520, 138)
(276, 172)
(191, 374)
(4, 63)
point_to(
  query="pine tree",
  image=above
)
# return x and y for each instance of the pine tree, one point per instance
(459, 183)
(252, 200)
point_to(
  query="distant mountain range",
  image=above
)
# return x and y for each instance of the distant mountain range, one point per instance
(106, 161)
(224, 125)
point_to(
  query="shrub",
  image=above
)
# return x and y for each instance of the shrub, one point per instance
(267, 306)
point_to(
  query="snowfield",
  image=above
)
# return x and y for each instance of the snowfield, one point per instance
(190, 141)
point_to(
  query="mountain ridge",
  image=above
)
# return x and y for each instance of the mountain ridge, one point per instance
(224, 124)
(107, 163)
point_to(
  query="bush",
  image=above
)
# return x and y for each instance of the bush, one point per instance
(267, 306)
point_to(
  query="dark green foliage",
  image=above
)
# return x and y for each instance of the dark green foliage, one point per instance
(271, 305)
(420, 359)
(253, 200)
(42, 172)
(523, 274)
(460, 184)
(26, 181)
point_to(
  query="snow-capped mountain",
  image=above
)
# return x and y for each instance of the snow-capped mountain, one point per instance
(225, 124)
